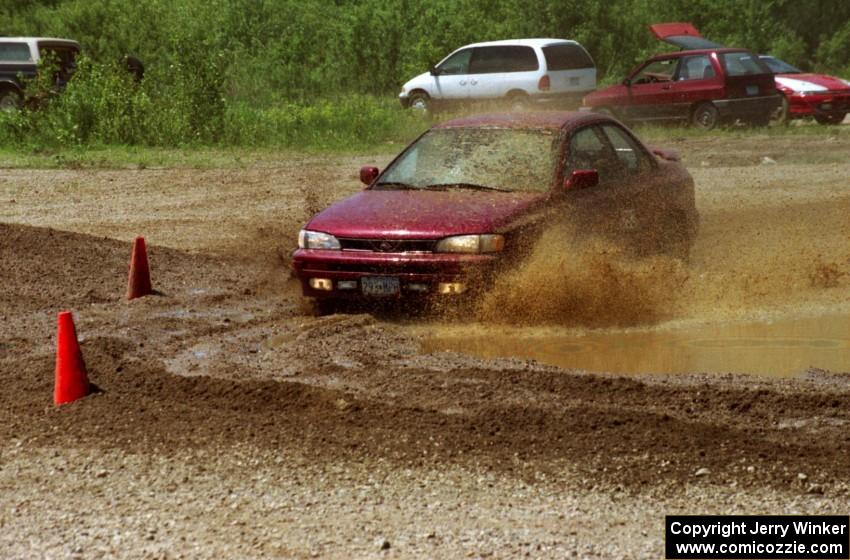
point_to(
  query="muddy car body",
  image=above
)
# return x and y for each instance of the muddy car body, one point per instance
(705, 85)
(19, 59)
(470, 197)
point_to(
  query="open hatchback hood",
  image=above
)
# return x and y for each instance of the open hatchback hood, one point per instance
(682, 35)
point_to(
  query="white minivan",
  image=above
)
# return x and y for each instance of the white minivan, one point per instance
(520, 71)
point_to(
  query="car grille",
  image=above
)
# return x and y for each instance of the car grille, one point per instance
(388, 245)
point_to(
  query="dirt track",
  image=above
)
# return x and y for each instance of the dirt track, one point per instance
(231, 424)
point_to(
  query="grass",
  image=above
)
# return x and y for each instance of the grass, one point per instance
(140, 157)
(396, 129)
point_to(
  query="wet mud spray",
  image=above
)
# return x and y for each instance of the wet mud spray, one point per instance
(762, 294)
(590, 282)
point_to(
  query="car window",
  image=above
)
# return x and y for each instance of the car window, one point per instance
(458, 63)
(588, 149)
(487, 60)
(566, 56)
(656, 71)
(743, 63)
(15, 52)
(502, 158)
(696, 68)
(632, 158)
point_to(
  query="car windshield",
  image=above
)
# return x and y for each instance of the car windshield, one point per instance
(502, 159)
(779, 67)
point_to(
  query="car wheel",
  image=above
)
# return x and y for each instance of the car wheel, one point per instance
(318, 307)
(10, 100)
(832, 118)
(780, 115)
(705, 116)
(519, 102)
(420, 101)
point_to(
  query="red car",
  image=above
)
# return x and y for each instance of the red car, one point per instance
(705, 85)
(470, 196)
(826, 98)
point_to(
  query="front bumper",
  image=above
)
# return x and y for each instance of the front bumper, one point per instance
(414, 271)
(748, 108)
(819, 103)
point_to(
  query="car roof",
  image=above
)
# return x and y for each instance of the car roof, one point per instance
(538, 42)
(39, 39)
(538, 119)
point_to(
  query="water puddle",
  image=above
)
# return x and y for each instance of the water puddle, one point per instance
(780, 348)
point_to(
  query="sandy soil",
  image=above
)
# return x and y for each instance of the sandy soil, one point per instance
(232, 424)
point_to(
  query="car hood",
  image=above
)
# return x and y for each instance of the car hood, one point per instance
(810, 82)
(408, 214)
(419, 80)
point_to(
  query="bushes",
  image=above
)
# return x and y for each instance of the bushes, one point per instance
(102, 105)
(254, 72)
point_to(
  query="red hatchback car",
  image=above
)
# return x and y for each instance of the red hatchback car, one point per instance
(705, 85)
(472, 195)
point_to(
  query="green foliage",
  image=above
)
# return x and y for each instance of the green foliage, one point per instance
(320, 73)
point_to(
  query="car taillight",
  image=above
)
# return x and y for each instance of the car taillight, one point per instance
(544, 83)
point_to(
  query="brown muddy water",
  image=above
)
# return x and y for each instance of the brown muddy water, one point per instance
(781, 348)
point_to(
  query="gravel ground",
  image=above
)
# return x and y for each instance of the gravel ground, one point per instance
(232, 424)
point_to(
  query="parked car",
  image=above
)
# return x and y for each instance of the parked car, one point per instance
(19, 58)
(826, 98)
(705, 85)
(470, 196)
(520, 71)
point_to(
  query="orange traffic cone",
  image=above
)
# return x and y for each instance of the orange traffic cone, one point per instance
(139, 281)
(72, 381)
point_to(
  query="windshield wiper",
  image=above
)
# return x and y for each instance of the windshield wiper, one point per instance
(471, 186)
(394, 186)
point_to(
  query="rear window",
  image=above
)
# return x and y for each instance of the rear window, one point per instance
(567, 56)
(743, 64)
(14, 52)
(486, 60)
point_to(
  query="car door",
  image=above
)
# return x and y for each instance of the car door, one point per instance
(451, 80)
(698, 78)
(496, 70)
(613, 209)
(650, 90)
(592, 210)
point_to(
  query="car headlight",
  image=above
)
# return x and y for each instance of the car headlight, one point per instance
(488, 243)
(316, 240)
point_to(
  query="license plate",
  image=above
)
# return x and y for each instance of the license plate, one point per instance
(752, 90)
(380, 285)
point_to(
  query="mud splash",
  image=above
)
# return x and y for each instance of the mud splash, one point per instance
(779, 348)
(571, 281)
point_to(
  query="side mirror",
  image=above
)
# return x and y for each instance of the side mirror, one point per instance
(434, 71)
(581, 179)
(368, 174)
(627, 82)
